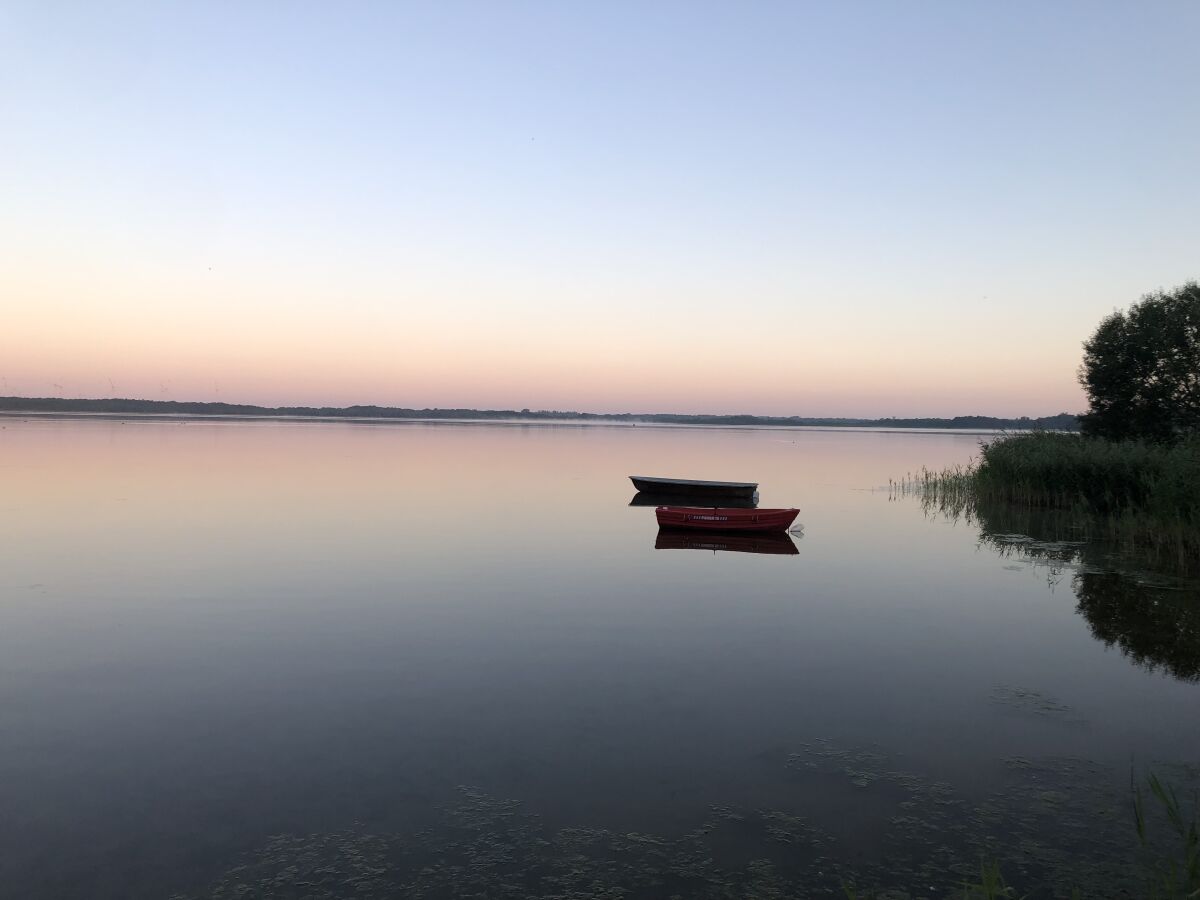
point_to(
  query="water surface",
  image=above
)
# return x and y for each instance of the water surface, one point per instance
(417, 657)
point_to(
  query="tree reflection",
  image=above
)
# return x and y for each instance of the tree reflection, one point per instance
(1158, 627)
(1131, 600)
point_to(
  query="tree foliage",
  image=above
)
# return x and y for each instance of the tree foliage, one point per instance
(1141, 369)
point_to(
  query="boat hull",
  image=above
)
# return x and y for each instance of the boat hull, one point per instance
(727, 519)
(690, 488)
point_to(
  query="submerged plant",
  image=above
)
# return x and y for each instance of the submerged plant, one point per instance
(1175, 862)
(990, 886)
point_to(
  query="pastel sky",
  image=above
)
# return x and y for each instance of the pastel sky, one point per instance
(850, 208)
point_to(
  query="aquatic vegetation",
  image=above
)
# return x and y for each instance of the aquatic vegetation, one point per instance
(988, 885)
(488, 847)
(1133, 574)
(1138, 493)
(1054, 827)
(1132, 597)
(1033, 702)
(1175, 864)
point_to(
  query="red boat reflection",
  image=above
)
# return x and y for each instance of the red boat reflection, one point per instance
(773, 543)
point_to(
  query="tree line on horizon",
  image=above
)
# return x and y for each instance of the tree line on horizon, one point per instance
(1060, 422)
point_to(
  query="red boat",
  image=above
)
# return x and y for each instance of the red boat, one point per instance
(725, 518)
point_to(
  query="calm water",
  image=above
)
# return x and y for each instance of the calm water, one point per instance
(336, 653)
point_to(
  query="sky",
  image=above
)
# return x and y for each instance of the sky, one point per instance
(851, 208)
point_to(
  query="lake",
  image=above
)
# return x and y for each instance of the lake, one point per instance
(275, 658)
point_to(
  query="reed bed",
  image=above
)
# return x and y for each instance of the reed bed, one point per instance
(1130, 492)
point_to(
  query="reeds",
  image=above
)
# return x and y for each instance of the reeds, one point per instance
(1175, 867)
(1124, 491)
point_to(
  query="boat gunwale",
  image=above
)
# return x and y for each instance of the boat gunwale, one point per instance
(736, 511)
(695, 483)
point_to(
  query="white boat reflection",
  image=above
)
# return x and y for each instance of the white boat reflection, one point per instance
(645, 498)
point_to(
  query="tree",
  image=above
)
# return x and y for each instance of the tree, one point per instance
(1141, 369)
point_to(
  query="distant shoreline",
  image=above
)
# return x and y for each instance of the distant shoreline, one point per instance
(183, 418)
(176, 410)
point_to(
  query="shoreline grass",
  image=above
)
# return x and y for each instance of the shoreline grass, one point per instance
(1126, 492)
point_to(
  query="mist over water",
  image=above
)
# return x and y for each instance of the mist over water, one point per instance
(215, 633)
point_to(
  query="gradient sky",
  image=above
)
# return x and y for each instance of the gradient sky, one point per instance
(815, 209)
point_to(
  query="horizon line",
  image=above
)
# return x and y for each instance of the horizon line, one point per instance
(525, 411)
